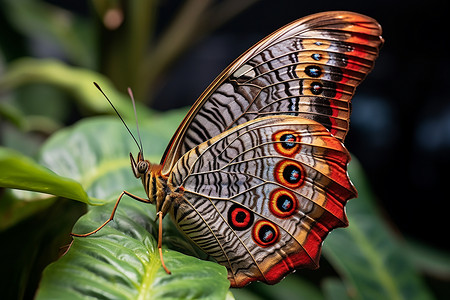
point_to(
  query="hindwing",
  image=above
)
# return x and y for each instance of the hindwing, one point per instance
(261, 197)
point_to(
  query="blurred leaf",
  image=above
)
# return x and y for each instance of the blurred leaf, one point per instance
(368, 255)
(44, 102)
(334, 289)
(291, 287)
(12, 114)
(25, 142)
(430, 260)
(44, 23)
(76, 81)
(230, 296)
(138, 56)
(122, 261)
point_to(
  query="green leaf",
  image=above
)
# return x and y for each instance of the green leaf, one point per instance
(430, 260)
(21, 172)
(122, 262)
(368, 255)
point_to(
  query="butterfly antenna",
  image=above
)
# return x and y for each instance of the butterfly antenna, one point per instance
(130, 92)
(120, 117)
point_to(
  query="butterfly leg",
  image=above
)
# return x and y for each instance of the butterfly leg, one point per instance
(113, 213)
(160, 217)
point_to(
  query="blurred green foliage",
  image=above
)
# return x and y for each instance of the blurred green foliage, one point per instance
(49, 57)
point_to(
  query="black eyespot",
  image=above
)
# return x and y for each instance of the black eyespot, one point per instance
(313, 71)
(316, 88)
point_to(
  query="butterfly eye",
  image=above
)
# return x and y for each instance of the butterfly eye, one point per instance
(142, 167)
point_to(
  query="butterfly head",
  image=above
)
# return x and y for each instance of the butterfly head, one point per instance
(150, 174)
(140, 166)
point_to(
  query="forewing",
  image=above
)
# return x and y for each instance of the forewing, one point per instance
(309, 68)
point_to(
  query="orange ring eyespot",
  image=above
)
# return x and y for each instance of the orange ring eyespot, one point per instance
(265, 233)
(289, 173)
(283, 203)
(286, 142)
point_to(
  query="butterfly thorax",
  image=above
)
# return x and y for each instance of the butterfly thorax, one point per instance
(154, 183)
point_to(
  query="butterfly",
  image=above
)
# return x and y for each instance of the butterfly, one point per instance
(256, 173)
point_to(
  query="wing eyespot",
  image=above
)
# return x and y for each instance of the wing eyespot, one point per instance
(283, 203)
(265, 233)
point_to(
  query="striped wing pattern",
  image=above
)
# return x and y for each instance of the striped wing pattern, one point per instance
(261, 197)
(309, 68)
